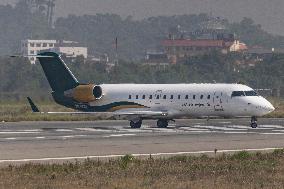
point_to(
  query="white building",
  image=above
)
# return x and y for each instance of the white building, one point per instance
(69, 48)
(33, 47)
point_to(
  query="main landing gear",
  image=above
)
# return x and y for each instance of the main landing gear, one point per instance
(162, 123)
(136, 124)
(253, 122)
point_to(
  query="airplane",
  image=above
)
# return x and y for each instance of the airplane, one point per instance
(138, 102)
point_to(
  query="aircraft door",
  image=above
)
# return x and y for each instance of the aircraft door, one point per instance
(158, 96)
(218, 101)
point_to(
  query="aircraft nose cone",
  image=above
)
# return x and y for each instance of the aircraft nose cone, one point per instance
(271, 108)
(266, 107)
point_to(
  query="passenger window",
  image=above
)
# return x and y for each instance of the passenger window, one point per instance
(172, 96)
(178, 96)
(129, 97)
(143, 97)
(137, 96)
(208, 97)
(194, 96)
(165, 97)
(186, 96)
(151, 97)
(158, 97)
(201, 97)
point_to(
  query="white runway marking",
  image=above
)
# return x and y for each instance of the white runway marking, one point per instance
(67, 136)
(19, 132)
(272, 126)
(136, 155)
(94, 130)
(239, 126)
(200, 123)
(121, 135)
(32, 130)
(278, 130)
(63, 130)
(80, 135)
(144, 130)
(228, 132)
(118, 131)
(10, 138)
(200, 132)
(262, 128)
(193, 129)
(220, 128)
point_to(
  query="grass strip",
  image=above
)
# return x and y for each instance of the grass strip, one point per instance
(240, 170)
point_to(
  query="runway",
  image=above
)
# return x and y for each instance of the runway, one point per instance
(61, 141)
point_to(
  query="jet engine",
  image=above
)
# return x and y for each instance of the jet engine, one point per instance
(87, 93)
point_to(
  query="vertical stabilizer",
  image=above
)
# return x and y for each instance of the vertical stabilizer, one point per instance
(59, 76)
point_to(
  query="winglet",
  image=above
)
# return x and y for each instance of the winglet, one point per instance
(33, 106)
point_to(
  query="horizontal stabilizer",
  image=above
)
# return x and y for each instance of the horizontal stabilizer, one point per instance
(33, 106)
(36, 56)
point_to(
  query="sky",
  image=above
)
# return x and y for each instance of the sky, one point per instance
(268, 13)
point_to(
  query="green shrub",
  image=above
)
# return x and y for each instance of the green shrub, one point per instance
(241, 155)
(125, 160)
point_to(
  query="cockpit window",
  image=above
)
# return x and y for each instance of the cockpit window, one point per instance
(244, 93)
(251, 93)
(238, 93)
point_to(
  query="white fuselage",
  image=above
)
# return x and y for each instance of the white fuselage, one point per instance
(196, 100)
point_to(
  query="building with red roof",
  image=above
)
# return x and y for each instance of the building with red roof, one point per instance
(177, 49)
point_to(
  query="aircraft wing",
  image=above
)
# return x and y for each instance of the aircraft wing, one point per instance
(153, 113)
(126, 113)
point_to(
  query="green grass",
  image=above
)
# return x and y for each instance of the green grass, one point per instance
(13, 112)
(240, 170)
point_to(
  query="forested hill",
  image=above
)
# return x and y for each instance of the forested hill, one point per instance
(98, 32)
(19, 78)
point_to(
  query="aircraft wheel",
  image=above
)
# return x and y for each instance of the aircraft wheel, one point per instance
(135, 125)
(253, 123)
(162, 123)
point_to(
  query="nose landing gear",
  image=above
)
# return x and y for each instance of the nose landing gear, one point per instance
(253, 122)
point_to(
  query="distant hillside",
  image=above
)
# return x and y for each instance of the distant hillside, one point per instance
(98, 32)
(269, 14)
